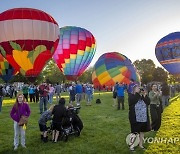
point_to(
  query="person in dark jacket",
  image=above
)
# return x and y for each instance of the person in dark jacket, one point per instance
(59, 112)
(165, 95)
(138, 113)
(47, 115)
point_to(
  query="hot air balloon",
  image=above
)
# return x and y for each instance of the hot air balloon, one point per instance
(28, 39)
(75, 51)
(6, 70)
(113, 67)
(168, 53)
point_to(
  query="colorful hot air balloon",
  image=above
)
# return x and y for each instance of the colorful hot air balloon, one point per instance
(6, 70)
(75, 51)
(113, 67)
(28, 39)
(168, 53)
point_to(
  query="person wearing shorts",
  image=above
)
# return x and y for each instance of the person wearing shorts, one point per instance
(42, 123)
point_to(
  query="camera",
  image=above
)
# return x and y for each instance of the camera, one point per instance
(141, 90)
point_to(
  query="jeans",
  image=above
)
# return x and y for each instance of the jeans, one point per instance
(165, 101)
(1, 99)
(17, 131)
(43, 102)
(51, 97)
(89, 98)
(78, 98)
(120, 101)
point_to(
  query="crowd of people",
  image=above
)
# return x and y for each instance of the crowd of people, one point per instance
(140, 98)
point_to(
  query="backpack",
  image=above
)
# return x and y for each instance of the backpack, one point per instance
(98, 101)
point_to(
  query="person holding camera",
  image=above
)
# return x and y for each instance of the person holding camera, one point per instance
(20, 108)
(155, 107)
(138, 113)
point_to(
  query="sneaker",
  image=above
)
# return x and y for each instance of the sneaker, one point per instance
(23, 146)
(15, 148)
(132, 149)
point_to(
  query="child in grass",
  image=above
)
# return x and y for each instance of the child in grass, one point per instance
(20, 108)
(42, 123)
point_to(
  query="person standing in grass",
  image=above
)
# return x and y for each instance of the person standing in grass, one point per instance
(43, 91)
(25, 90)
(114, 89)
(138, 113)
(79, 91)
(51, 93)
(20, 108)
(89, 94)
(58, 92)
(120, 95)
(155, 107)
(2, 93)
(165, 95)
(72, 93)
(42, 123)
(59, 112)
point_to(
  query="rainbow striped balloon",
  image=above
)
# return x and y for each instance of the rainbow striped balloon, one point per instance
(168, 53)
(75, 51)
(113, 67)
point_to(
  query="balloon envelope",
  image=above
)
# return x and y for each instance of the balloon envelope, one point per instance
(28, 39)
(113, 67)
(75, 51)
(168, 53)
(6, 70)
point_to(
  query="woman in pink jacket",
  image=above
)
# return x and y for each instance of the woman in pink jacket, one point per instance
(20, 108)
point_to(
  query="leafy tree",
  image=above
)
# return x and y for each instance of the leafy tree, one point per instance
(52, 74)
(160, 75)
(145, 69)
(86, 76)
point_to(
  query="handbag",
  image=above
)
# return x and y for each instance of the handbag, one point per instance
(23, 120)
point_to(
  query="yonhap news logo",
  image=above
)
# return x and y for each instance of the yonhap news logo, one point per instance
(132, 139)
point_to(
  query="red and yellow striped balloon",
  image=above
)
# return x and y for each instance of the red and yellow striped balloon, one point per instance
(28, 39)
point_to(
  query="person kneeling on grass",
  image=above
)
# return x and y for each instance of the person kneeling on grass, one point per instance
(47, 115)
(59, 112)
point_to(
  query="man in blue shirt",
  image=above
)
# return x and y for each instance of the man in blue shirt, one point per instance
(79, 91)
(120, 95)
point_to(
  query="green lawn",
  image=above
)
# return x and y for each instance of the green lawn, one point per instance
(105, 130)
(169, 131)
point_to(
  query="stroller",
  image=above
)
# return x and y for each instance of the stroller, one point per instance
(71, 124)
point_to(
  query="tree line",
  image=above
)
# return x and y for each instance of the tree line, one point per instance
(146, 69)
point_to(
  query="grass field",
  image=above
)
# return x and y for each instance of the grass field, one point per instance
(104, 132)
